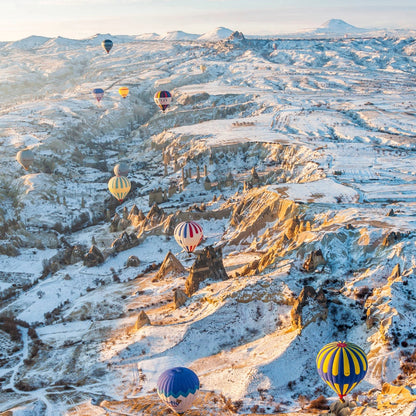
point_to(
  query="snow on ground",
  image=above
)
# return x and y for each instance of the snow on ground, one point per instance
(328, 124)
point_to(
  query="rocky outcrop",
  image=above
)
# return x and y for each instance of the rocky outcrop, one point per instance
(156, 215)
(391, 238)
(208, 265)
(170, 267)
(133, 261)
(94, 257)
(77, 254)
(118, 223)
(179, 298)
(141, 321)
(135, 216)
(314, 260)
(125, 242)
(309, 307)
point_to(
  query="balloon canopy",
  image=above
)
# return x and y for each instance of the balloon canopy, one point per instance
(177, 387)
(121, 169)
(98, 93)
(188, 235)
(123, 91)
(107, 44)
(342, 365)
(119, 186)
(25, 157)
(163, 99)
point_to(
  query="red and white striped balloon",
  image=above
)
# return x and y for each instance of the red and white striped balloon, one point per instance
(188, 235)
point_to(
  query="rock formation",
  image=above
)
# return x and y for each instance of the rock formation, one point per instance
(141, 321)
(125, 242)
(314, 260)
(391, 238)
(208, 265)
(170, 267)
(94, 257)
(156, 215)
(179, 298)
(133, 261)
(309, 307)
(135, 216)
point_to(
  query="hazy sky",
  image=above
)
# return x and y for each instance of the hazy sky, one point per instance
(83, 18)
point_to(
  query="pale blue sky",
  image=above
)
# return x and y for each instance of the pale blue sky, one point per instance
(83, 18)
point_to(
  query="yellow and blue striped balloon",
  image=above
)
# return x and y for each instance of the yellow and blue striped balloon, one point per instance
(342, 365)
(119, 186)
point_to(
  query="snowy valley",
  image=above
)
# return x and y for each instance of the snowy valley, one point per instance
(298, 158)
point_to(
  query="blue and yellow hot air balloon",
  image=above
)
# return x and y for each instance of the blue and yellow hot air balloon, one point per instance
(25, 157)
(163, 99)
(342, 365)
(177, 387)
(119, 186)
(107, 44)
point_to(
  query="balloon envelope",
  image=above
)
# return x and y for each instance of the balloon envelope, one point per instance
(188, 235)
(121, 169)
(177, 387)
(203, 68)
(342, 365)
(98, 93)
(25, 157)
(163, 99)
(123, 91)
(119, 186)
(107, 44)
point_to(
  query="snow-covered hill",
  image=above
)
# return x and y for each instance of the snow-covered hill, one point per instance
(297, 158)
(217, 34)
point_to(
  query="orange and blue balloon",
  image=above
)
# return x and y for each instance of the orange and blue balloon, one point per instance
(163, 99)
(342, 365)
(188, 235)
(107, 44)
(177, 388)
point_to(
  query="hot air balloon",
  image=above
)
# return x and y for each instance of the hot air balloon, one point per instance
(188, 235)
(177, 387)
(98, 93)
(163, 99)
(119, 186)
(107, 45)
(123, 91)
(342, 365)
(203, 68)
(121, 169)
(25, 157)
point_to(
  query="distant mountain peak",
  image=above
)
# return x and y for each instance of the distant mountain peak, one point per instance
(218, 33)
(337, 26)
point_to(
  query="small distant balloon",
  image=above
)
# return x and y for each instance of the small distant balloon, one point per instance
(342, 365)
(123, 91)
(163, 99)
(203, 68)
(98, 93)
(119, 186)
(274, 46)
(188, 235)
(177, 388)
(121, 169)
(25, 157)
(107, 44)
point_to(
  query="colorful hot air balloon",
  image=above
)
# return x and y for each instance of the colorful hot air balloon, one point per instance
(119, 186)
(188, 235)
(107, 45)
(163, 99)
(177, 387)
(123, 91)
(342, 365)
(98, 93)
(121, 169)
(203, 68)
(25, 157)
